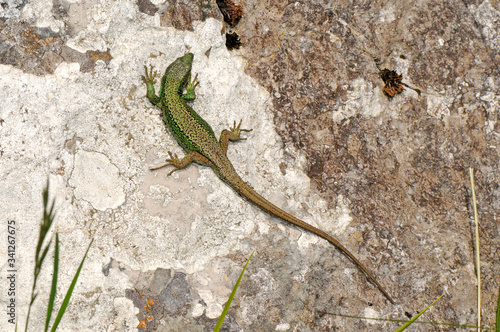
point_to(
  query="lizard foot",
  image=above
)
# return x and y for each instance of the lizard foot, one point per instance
(172, 161)
(236, 130)
(190, 95)
(149, 77)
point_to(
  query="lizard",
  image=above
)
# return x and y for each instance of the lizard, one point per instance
(198, 139)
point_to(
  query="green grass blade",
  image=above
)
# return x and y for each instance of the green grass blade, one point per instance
(65, 302)
(497, 325)
(44, 253)
(53, 290)
(228, 303)
(40, 253)
(416, 317)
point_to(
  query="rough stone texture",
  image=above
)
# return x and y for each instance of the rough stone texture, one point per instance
(403, 164)
(389, 177)
(181, 14)
(97, 181)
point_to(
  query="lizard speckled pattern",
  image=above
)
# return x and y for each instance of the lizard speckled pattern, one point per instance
(198, 139)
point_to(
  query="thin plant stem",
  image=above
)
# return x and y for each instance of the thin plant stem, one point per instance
(478, 262)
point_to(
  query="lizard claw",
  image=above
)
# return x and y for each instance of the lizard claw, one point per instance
(237, 130)
(192, 84)
(149, 77)
(190, 95)
(173, 158)
(172, 161)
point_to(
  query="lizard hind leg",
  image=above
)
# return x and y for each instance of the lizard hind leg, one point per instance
(178, 164)
(233, 134)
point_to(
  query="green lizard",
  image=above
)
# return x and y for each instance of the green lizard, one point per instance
(198, 139)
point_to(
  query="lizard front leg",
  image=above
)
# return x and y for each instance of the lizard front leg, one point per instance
(233, 134)
(150, 79)
(190, 95)
(192, 156)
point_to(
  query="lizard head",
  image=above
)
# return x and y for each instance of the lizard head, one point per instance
(181, 67)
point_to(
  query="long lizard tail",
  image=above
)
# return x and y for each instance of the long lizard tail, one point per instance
(247, 192)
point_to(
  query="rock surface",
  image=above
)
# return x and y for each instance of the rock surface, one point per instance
(389, 176)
